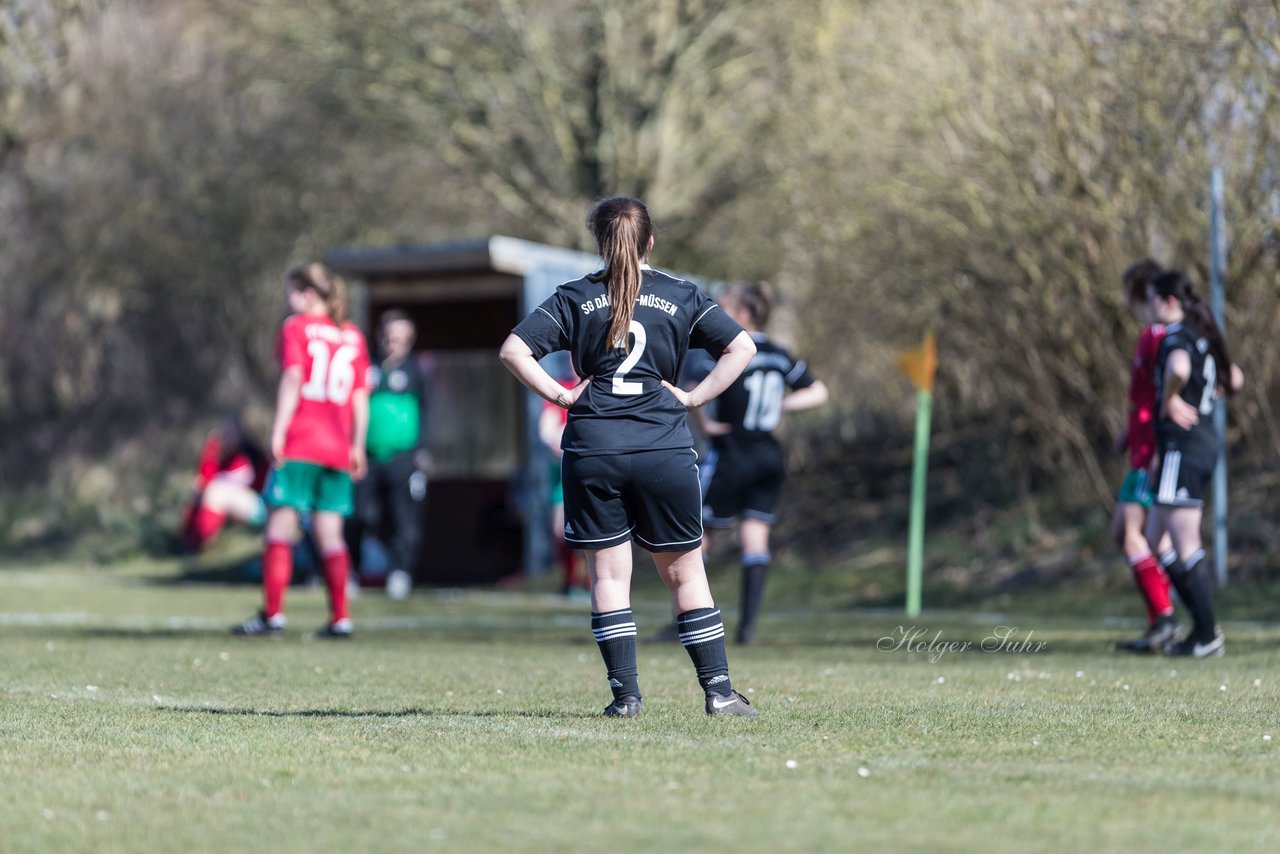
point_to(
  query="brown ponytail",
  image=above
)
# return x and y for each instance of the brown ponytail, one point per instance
(622, 229)
(327, 284)
(756, 299)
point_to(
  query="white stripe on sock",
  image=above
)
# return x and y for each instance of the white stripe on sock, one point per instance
(621, 630)
(702, 635)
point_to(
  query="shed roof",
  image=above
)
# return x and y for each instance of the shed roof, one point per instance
(503, 254)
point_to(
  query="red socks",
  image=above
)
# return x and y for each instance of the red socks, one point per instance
(1153, 583)
(337, 566)
(277, 569)
(570, 565)
(205, 525)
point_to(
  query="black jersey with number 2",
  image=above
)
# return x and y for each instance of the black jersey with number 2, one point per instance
(1199, 390)
(625, 408)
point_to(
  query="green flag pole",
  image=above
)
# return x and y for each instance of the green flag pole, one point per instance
(919, 474)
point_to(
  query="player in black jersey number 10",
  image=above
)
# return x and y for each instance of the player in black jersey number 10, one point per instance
(629, 468)
(745, 466)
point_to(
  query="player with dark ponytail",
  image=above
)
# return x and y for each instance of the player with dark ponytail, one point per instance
(1192, 369)
(629, 467)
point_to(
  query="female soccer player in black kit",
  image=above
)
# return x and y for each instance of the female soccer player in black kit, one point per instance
(746, 464)
(629, 466)
(1192, 365)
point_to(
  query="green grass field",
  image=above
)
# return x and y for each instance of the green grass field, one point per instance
(131, 720)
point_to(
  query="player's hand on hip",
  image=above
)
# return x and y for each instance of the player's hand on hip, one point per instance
(571, 395)
(685, 398)
(1182, 413)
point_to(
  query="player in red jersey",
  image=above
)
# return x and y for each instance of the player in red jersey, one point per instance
(229, 481)
(317, 443)
(1134, 499)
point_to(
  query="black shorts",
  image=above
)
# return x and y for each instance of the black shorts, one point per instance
(1184, 475)
(651, 496)
(746, 480)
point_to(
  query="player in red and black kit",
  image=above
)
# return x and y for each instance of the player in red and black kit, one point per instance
(1128, 524)
(317, 443)
(1192, 368)
(629, 465)
(747, 470)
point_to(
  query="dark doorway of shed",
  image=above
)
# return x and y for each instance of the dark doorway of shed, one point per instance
(471, 531)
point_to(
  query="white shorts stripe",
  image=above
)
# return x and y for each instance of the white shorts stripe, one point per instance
(1169, 476)
(569, 538)
(697, 539)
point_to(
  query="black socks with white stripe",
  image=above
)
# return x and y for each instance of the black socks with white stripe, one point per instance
(615, 633)
(702, 633)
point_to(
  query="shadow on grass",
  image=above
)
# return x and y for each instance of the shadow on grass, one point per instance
(411, 712)
(230, 571)
(237, 567)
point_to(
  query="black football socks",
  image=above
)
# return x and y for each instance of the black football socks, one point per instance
(615, 633)
(702, 633)
(1200, 583)
(1195, 589)
(755, 572)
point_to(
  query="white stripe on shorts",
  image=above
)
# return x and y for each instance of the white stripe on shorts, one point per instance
(1169, 476)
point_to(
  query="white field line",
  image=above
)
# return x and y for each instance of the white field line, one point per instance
(187, 623)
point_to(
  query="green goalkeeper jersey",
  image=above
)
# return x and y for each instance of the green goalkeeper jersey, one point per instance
(397, 406)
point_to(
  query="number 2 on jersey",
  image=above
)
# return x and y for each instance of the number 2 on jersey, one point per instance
(332, 377)
(621, 385)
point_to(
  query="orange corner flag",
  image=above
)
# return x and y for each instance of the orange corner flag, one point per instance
(920, 363)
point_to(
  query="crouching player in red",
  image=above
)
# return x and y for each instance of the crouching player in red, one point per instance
(317, 443)
(229, 482)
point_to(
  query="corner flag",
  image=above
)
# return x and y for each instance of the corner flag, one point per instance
(919, 365)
